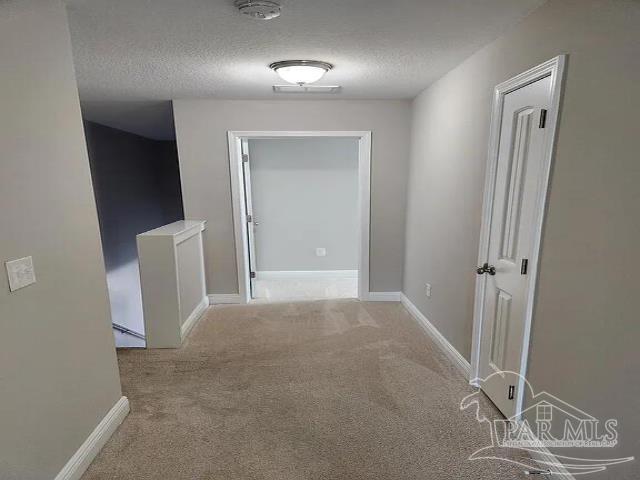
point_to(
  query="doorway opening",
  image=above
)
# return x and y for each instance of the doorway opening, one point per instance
(301, 207)
(522, 138)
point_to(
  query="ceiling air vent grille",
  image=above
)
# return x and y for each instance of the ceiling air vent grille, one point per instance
(306, 88)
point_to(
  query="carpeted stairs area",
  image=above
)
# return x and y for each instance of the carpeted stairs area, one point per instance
(331, 389)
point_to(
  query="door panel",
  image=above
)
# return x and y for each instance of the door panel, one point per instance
(515, 179)
(251, 221)
(501, 324)
(518, 183)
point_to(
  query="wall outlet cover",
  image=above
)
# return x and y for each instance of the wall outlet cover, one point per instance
(20, 273)
(427, 290)
(321, 252)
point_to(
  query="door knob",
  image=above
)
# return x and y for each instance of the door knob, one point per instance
(486, 268)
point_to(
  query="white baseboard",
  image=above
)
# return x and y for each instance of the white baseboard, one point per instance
(383, 297)
(190, 322)
(284, 274)
(223, 298)
(459, 361)
(83, 457)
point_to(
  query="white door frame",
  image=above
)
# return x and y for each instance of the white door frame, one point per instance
(239, 213)
(555, 69)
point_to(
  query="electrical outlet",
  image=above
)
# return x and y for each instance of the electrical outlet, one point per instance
(427, 290)
(321, 252)
(20, 273)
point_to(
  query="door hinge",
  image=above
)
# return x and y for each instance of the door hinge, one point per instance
(249, 219)
(245, 157)
(252, 274)
(543, 118)
(524, 266)
(512, 390)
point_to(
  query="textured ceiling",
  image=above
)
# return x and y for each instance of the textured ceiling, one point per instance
(154, 50)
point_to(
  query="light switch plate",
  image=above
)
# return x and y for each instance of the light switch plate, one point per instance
(321, 252)
(427, 290)
(20, 273)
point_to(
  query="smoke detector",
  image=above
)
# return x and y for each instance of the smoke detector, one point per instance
(259, 9)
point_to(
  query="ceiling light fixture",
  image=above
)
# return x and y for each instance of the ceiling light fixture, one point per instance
(301, 72)
(259, 9)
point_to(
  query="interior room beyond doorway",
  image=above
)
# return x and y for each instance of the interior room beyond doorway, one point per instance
(302, 195)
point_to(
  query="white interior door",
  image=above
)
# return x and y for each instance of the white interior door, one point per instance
(515, 205)
(250, 219)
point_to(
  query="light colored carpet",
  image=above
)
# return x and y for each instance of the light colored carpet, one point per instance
(331, 389)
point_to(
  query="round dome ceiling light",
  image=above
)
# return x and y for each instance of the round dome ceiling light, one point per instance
(259, 9)
(301, 72)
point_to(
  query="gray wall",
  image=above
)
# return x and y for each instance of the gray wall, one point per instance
(201, 132)
(58, 371)
(305, 195)
(136, 182)
(586, 329)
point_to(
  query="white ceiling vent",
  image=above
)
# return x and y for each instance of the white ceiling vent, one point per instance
(306, 88)
(259, 9)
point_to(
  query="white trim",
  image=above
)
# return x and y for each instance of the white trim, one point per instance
(277, 274)
(364, 210)
(299, 133)
(239, 214)
(454, 355)
(383, 296)
(196, 315)
(553, 68)
(225, 298)
(83, 457)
